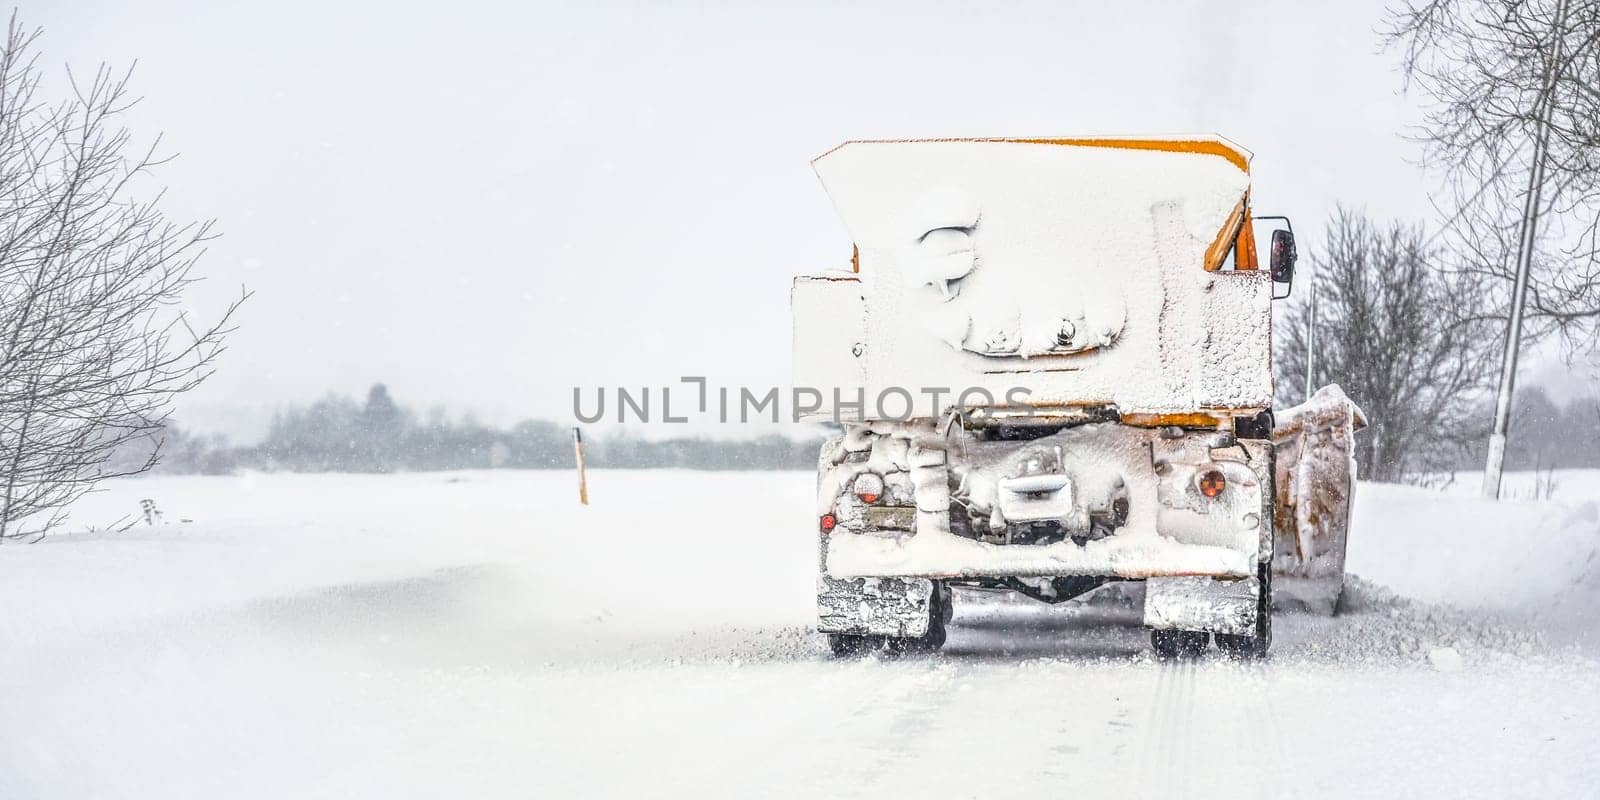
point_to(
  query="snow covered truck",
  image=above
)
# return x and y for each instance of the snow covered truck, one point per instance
(1051, 360)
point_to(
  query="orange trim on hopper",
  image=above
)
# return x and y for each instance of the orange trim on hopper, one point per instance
(1211, 147)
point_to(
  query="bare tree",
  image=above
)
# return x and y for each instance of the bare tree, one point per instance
(1398, 333)
(94, 345)
(1514, 128)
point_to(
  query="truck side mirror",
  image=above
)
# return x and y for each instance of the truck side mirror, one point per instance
(1283, 256)
(1281, 252)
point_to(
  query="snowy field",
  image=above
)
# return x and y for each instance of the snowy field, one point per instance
(482, 635)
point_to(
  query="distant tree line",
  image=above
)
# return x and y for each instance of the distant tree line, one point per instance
(1544, 434)
(340, 434)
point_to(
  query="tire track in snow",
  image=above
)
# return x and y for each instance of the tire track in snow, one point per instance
(1037, 728)
(1242, 750)
(1153, 753)
(1158, 733)
(1270, 756)
(1213, 732)
(1256, 737)
(1180, 733)
(1166, 764)
(1145, 766)
(1183, 736)
(851, 730)
(1230, 731)
(916, 699)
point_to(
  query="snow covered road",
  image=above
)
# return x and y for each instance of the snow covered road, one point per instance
(480, 635)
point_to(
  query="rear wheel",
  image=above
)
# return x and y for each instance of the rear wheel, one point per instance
(844, 645)
(927, 642)
(1169, 643)
(1253, 645)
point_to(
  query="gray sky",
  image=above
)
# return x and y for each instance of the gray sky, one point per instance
(487, 204)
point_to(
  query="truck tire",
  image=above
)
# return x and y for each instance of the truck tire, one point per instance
(1170, 643)
(844, 645)
(1253, 645)
(928, 642)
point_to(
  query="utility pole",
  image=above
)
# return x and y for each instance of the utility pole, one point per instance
(1311, 336)
(1527, 235)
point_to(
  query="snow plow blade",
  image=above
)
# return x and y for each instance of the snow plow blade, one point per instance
(1315, 478)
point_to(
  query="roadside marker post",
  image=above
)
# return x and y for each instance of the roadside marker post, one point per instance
(583, 479)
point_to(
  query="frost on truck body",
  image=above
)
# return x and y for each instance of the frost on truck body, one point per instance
(1078, 267)
(1113, 281)
(1166, 531)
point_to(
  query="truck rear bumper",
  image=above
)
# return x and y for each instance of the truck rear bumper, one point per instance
(940, 554)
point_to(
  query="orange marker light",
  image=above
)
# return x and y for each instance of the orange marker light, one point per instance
(869, 487)
(1212, 483)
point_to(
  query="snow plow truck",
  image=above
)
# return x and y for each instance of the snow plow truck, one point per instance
(1051, 362)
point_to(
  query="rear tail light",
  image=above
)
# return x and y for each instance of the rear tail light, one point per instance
(828, 523)
(869, 488)
(1212, 483)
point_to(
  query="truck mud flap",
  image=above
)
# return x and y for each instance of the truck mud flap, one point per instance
(1315, 478)
(877, 606)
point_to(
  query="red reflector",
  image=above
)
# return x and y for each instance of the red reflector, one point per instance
(828, 522)
(1212, 483)
(868, 497)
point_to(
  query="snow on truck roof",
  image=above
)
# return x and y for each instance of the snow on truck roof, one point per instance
(1206, 144)
(1085, 269)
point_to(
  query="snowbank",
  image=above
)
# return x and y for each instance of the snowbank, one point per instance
(260, 537)
(1538, 558)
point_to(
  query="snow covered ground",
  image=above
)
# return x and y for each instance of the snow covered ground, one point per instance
(481, 635)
